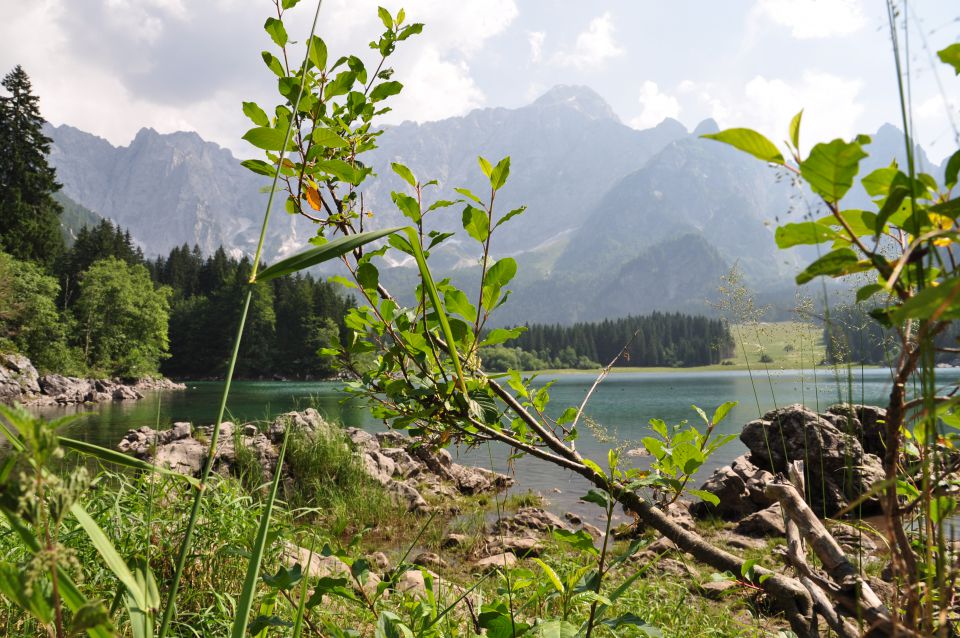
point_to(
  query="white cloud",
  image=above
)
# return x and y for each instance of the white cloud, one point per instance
(594, 46)
(435, 88)
(808, 19)
(535, 39)
(111, 67)
(655, 106)
(831, 105)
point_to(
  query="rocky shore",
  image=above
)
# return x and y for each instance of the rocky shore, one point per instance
(21, 383)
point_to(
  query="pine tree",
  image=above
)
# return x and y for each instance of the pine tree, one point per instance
(29, 216)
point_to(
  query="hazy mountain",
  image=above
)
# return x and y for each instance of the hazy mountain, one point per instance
(74, 217)
(618, 221)
(167, 190)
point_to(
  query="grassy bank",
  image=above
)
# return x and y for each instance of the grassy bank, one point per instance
(783, 345)
(332, 509)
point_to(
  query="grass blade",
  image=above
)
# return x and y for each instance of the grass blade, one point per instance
(319, 254)
(109, 554)
(119, 458)
(245, 603)
(437, 305)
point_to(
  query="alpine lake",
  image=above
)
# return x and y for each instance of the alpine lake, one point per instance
(621, 407)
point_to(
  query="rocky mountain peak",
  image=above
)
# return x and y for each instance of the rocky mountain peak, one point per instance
(706, 127)
(582, 99)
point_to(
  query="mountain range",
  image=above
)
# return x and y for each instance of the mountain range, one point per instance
(618, 220)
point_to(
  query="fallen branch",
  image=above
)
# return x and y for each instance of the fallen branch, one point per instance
(852, 592)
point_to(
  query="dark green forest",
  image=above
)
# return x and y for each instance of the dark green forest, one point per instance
(658, 339)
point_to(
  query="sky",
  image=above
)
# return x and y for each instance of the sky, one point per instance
(111, 67)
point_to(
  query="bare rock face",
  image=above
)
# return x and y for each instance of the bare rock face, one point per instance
(18, 378)
(868, 422)
(20, 383)
(505, 560)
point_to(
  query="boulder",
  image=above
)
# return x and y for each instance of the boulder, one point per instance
(530, 522)
(455, 541)
(430, 560)
(19, 380)
(506, 560)
(731, 489)
(836, 462)
(767, 522)
(868, 422)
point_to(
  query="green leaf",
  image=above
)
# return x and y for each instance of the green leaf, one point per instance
(596, 468)
(407, 205)
(340, 85)
(260, 167)
(795, 129)
(568, 416)
(878, 182)
(834, 263)
(749, 141)
(556, 629)
(278, 33)
(551, 575)
(893, 204)
(273, 63)
(405, 173)
(499, 174)
(467, 193)
(318, 53)
(269, 139)
(328, 138)
(868, 291)
(596, 497)
(385, 17)
(496, 278)
(256, 114)
(341, 170)
(501, 335)
(721, 412)
(579, 540)
(511, 214)
(747, 567)
(861, 222)
(713, 499)
(13, 585)
(485, 166)
(831, 167)
(952, 170)
(803, 233)
(320, 254)
(384, 90)
(630, 619)
(109, 554)
(951, 56)
(456, 301)
(476, 223)
(941, 301)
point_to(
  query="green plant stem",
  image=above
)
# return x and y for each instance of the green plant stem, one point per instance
(253, 565)
(205, 474)
(198, 497)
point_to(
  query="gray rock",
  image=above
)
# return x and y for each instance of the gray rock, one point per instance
(530, 519)
(430, 560)
(455, 541)
(520, 546)
(505, 560)
(836, 464)
(732, 491)
(768, 522)
(18, 378)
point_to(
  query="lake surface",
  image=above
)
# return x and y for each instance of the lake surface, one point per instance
(623, 404)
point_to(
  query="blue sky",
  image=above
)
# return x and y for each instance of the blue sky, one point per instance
(113, 66)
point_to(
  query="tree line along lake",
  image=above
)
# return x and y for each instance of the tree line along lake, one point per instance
(621, 406)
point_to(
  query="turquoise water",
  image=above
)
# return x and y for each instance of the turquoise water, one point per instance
(623, 404)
